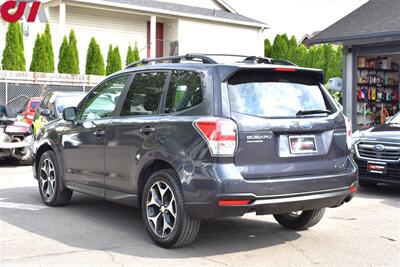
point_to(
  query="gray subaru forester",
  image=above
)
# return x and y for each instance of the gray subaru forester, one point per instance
(193, 139)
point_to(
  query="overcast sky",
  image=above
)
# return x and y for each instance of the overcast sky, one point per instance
(296, 17)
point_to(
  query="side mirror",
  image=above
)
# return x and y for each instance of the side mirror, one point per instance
(45, 112)
(69, 114)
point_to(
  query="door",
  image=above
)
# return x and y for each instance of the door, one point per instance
(83, 153)
(134, 132)
(159, 39)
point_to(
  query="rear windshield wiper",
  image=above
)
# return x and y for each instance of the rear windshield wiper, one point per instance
(312, 112)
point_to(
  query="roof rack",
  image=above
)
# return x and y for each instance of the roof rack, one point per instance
(174, 59)
(206, 59)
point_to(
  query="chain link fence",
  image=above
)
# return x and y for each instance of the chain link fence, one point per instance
(16, 88)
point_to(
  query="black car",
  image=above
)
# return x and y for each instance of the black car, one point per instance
(194, 139)
(377, 153)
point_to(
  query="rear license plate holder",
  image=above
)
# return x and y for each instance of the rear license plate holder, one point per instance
(302, 144)
(377, 167)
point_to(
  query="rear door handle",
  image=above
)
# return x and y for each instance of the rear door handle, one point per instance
(147, 130)
(99, 133)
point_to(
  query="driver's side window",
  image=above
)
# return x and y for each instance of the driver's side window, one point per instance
(102, 101)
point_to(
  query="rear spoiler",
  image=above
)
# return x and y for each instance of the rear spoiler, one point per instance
(261, 74)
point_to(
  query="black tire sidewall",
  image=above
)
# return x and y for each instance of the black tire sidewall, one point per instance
(168, 178)
(52, 157)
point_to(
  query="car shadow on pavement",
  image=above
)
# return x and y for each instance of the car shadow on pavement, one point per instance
(389, 193)
(93, 224)
(7, 163)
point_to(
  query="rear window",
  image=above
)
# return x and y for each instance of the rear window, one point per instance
(275, 94)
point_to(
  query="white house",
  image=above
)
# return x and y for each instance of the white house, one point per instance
(160, 28)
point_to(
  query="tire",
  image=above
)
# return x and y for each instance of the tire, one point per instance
(163, 212)
(367, 184)
(54, 195)
(302, 221)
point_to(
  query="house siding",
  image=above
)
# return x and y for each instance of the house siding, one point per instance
(196, 36)
(171, 34)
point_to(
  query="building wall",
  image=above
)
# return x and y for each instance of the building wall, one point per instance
(171, 29)
(197, 36)
(211, 4)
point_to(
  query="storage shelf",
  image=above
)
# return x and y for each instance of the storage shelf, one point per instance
(378, 70)
(378, 85)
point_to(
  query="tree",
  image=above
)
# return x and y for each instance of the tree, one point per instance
(292, 45)
(48, 48)
(280, 47)
(136, 54)
(94, 59)
(64, 57)
(73, 53)
(129, 56)
(39, 57)
(13, 53)
(300, 55)
(114, 63)
(267, 48)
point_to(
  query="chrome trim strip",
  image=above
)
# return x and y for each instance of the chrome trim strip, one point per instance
(374, 143)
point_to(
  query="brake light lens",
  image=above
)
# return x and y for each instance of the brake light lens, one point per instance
(349, 133)
(285, 69)
(220, 135)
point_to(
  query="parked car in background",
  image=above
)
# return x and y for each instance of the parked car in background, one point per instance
(16, 137)
(30, 108)
(187, 142)
(377, 153)
(52, 106)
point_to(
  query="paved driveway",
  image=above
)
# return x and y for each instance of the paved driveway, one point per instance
(94, 232)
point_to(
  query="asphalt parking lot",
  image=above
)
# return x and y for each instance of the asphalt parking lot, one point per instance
(93, 232)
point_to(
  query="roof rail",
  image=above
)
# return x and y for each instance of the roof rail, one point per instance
(174, 59)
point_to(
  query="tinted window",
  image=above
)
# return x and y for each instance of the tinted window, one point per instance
(275, 95)
(184, 91)
(144, 96)
(102, 101)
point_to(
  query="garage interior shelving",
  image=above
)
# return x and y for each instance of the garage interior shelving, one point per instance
(377, 89)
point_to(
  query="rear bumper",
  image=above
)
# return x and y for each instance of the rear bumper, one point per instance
(272, 205)
(267, 196)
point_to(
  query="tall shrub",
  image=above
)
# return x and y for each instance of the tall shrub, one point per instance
(73, 53)
(267, 48)
(94, 59)
(13, 53)
(48, 47)
(64, 57)
(114, 63)
(39, 61)
(280, 48)
(129, 56)
(136, 55)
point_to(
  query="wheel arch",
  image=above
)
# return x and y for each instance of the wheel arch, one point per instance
(148, 169)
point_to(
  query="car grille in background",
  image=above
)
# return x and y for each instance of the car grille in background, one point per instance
(388, 152)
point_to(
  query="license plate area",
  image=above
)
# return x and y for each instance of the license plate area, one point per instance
(377, 167)
(302, 144)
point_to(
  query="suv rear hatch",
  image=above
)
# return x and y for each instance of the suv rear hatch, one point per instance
(288, 124)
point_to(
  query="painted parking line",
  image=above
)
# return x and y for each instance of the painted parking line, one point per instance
(19, 206)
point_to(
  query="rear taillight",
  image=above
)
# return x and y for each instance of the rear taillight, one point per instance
(349, 133)
(220, 135)
(285, 69)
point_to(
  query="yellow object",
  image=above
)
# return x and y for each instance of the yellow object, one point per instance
(38, 124)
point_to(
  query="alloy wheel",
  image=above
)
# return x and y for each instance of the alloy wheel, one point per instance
(161, 209)
(47, 179)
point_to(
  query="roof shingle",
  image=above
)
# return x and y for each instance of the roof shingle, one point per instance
(189, 10)
(376, 18)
